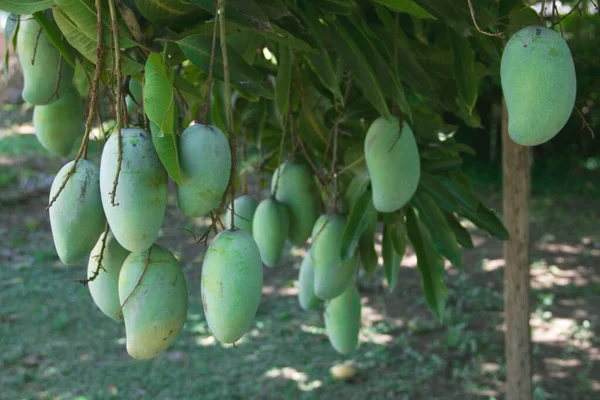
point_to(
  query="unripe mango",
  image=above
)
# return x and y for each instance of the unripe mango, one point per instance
(343, 319)
(205, 160)
(40, 78)
(105, 287)
(141, 197)
(306, 283)
(393, 162)
(58, 124)
(155, 310)
(231, 283)
(76, 217)
(270, 228)
(539, 84)
(332, 276)
(298, 190)
(245, 206)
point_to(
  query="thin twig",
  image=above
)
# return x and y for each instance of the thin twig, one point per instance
(100, 257)
(210, 72)
(318, 174)
(279, 172)
(35, 47)
(139, 280)
(332, 172)
(232, 136)
(351, 165)
(584, 123)
(58, 76)
(117, 52)
(497, 34)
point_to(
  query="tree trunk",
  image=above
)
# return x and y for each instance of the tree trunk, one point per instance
(515, 171)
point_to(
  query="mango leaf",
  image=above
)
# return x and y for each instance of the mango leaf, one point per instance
(485, 219)
(355, 190)
(166, 12)
(399, 234)
(55, 36)
(462, 235)
(159, 106)
(407, 6)
(323, 68)
(25, 6)
(284, 80)
(439, 192)
(463, 67)
(461, 192)
(361, 213)
(430, 264)
(391, 259)
(444, 241)
(245, 11)
(366, 247)
(198, 49)
(12, 21)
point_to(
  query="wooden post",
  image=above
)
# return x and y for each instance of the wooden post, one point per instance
(516, 187)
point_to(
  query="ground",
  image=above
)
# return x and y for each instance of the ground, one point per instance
(57, 344)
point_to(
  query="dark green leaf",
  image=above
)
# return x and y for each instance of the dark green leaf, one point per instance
(323, 68)
(407, 6)
(25, 6)
(430, 264)
(166, 12)
(11, 24)
(461, 192)
(391, 259)
(485, 219)
(198, 49)
(464, 68)
(462, 235)
(360, 214)
(366, 247)
(432, 186)
(399, 234)
(54, 35)
(284, 80)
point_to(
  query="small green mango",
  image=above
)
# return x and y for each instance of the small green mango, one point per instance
(58, 124)
(141, 192)
(343, 319)
(270, 228)
(306, 279)
(298, 190)
(41, 65)
(231, 284)
(245, 206)
(205, 160)
(105, 287)
(76, 217)
(155, 311)
(393, 162)
(332, 276)
(539, 84)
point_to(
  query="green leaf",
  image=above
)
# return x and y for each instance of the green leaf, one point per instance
(432, 186)
(444, 240)
(245, 11)
(198, 49)
(159, 106)
(391, 259)
(25, 6)
(407, 6)
(462, 235)
(461, 192)
(366, 247)
(360, 67)
(12, 21)
(361, 214)
(430, 264)
(323, 68)
(284, 80)
(55, 36)
(485, 219)
(166, 12)
(464, 68)
(399, 234)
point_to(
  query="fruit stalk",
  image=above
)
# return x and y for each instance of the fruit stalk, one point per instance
(115, 32)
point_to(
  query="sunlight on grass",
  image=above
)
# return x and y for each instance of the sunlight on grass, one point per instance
(294, 375)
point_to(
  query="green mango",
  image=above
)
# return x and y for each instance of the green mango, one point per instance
(40, 78)
(57, 125)
(141, 191)
(343, 320)
(231, 284)
(155, 311)
(393, 162)
(105, 287)
(270, 228)
(76, 217)
(205, 160)
(539, 84)
(245, 206)
(298, 190)
(332, 276)
(306, 279)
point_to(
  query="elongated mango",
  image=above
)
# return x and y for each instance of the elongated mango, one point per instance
(306, 283)
(343, 319)
(245, 206)
(231, 284)
(76, 217)
(41, 62)
(58, 124)
(205, 160)
(105, 287)
(270, 228)
(298, 191)
(393, 162)
(155, 310)
(141, 197)
(332, 276)
(539, 84)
